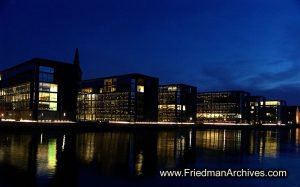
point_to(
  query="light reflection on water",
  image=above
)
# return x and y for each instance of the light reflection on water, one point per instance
(46, 158)
(64, 158)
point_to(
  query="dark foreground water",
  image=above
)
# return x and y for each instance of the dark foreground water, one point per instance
(134, 157)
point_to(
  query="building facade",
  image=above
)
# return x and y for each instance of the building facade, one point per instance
(257, 105)
(177, 103)
(223, 107)
(293, 115)
(40, 89)
(275, 112)
(130, 98)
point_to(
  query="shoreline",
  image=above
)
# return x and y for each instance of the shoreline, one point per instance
(94, 126)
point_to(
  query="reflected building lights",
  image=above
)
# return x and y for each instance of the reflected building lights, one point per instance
(297, 136)
(225, 140)
(190, 139)
(63, 143)
(166, 149)
(46, 158)
(139, 163)
(140, 153)
(86, 146)
(109, 150)
(52, 154)
(268, 146)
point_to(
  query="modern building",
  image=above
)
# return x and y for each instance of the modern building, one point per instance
(130, 98)
(40, 89)
(177, 103)
(293, 115)
(223, 107)
(275, 112)
(256, 115)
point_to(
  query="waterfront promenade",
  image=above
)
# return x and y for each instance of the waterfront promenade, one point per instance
(94, 126)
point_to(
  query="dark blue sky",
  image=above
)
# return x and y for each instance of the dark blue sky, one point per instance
(252, 45)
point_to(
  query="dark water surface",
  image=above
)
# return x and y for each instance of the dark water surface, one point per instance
(134, 157)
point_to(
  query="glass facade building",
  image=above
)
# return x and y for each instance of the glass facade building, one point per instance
(39, 89)
(177, 103)
(223, 107)
(275, 112)
(257, 105)
(130, 98)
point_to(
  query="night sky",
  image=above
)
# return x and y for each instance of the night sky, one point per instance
(253, 45)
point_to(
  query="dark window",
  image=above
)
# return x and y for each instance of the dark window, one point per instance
(46, 69)
(46, 74)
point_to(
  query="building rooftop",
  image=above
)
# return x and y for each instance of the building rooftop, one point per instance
(131, 75)
(187, 85)
(34, 61)
(224, 91)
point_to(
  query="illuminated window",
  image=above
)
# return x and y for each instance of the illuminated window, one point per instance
(172, 88)
(53, 88)
(91, 96)
(109, 85)
(53, 97)
(48, 96)
(48, 87)
(108, 82)
(273, 103)
(166, 106)
(53, 106)
(0, 77)
(87, 90)
(45, 87)
(171, 106)
(44, 106)
(140, 89)
(181, 107)
(16, 98)
(44, 96)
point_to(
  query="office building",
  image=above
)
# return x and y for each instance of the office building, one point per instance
(177, 103)
(40, 89)
(223, 107)
(293, 115)
(275, 112)
(256, 115)
(130, 98)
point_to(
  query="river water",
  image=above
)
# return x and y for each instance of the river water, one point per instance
(135, 157)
